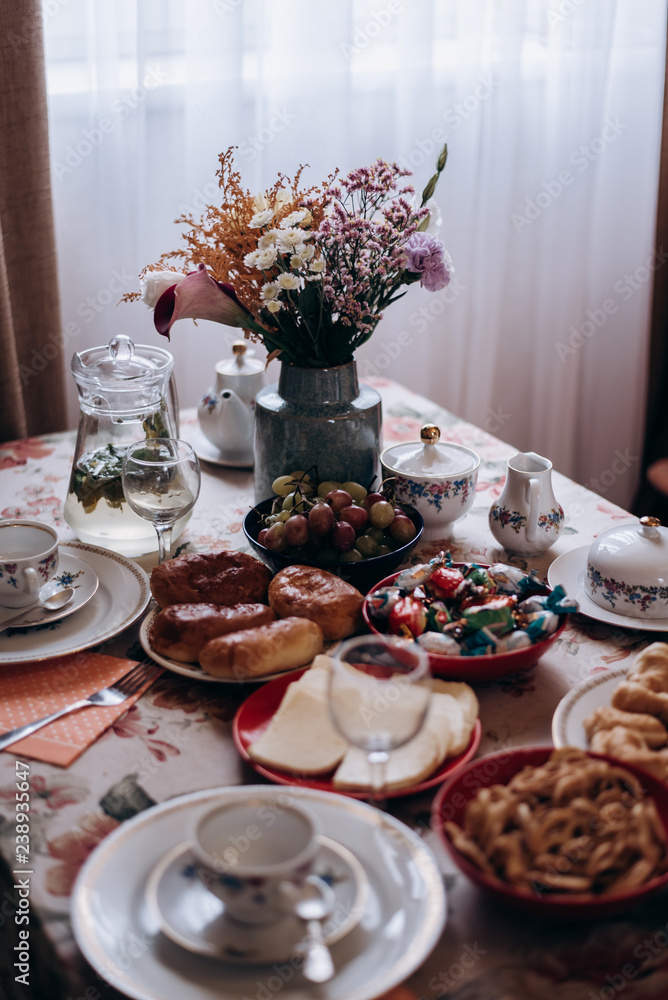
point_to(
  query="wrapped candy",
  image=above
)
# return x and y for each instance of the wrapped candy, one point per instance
(439, 642)
(498, 618)
(540, 624)
(510, 643)
(382, 601)
(479, 643)
(445, 581)
(556, 601)
(407, 615)
(511, 580)
(438, 616)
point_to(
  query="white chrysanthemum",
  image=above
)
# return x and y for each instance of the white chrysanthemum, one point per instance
(287, 281)
(269, 292)
(250, 260)
(261, 219)
(274, 306)
(267, 240)
(296, 262)
(260, 202)
(266, 258)
(302, 215)
(306, 253)
(317, 266)
(290, 240)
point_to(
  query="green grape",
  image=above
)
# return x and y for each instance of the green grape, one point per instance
(282, 486)
(303, 477)
(327, 487)
(352, 555)
(383, 550)
(366, 545)
(356, 491)
(377, 534)
(381, 514)
(289, 501)
(283, 516)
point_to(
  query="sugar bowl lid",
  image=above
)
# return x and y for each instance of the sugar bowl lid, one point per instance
(627, 569)
(242, 361)
(430, 457)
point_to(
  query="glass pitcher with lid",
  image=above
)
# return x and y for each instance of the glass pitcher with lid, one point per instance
(126, 394)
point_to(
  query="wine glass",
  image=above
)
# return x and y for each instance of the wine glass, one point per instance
(161, 480)
(379, 691)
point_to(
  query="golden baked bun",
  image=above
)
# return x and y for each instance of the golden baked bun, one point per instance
(322, 597)
(210, 578)
(181, 630)
(268, 649)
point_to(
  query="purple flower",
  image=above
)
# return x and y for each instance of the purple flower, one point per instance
(199, 296)
(428, 257)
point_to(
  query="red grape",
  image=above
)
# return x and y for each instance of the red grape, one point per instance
(371, 498)
(337, 499)
(320, 519)
(263, 534)
(296, 530)
(275, 538)
(343, 536)
(357, 516)
(402, 529)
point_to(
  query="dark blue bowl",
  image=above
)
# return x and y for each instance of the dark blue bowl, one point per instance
(363, 574)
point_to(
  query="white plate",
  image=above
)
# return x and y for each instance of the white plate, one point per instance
(194, 918)
(207, 451)
(569, 571)
(121, 597)
(578, 705)
(117, 934)
(193, 669)
(72, 572)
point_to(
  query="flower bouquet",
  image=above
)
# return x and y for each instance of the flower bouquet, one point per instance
(307, 272)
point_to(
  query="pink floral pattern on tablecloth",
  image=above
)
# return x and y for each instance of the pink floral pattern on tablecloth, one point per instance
(178, 737)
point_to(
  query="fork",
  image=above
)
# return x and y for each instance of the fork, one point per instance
(117, 693)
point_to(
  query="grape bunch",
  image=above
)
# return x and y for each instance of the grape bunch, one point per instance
(332, 521)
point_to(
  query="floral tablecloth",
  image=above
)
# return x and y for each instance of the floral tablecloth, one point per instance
(177, 739)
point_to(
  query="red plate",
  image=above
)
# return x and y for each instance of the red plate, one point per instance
(489, 667)
(254, 715)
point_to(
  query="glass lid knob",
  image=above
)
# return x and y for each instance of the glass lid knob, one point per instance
(121, 348)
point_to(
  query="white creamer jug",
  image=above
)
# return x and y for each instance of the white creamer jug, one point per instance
(526, 517)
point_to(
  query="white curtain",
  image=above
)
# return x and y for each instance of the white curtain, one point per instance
(552, 114)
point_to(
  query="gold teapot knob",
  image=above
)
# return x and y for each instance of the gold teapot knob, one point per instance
(430, 434)
(239, 347)
(650, 522)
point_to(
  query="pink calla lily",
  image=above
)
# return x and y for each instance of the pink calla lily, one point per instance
(199, 296)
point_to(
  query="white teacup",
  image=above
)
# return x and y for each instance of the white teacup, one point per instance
(254, 855)
(28, 560)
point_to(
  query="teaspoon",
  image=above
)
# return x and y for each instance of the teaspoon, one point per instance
(314, 906)
(56, 602)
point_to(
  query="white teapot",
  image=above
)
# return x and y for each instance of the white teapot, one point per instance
(226, 412)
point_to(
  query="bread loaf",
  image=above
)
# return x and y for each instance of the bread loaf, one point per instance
(180, 631)
(322, 597)
(267, 649)
(210, 578)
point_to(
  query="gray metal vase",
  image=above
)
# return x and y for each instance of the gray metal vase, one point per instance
(317, 416)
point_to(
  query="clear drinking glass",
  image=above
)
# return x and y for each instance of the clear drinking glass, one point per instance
(161, 481)
(379, 691)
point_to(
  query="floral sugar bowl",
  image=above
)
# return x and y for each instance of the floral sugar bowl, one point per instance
(627, 569)
(526, 517)
(438, 478)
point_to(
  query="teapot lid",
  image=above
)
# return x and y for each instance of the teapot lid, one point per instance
(242, 361)
(121, 361)
(430, 456)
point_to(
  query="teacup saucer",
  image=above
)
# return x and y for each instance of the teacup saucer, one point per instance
(191, 916)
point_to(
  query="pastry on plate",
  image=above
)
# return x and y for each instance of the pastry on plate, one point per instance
(210, 578)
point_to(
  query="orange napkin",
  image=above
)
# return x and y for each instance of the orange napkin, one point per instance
(29, 691)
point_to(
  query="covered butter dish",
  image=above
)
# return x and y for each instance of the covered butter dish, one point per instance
(627, 569)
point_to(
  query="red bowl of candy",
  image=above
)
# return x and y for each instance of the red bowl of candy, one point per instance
(555, 880)
(488, 666)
